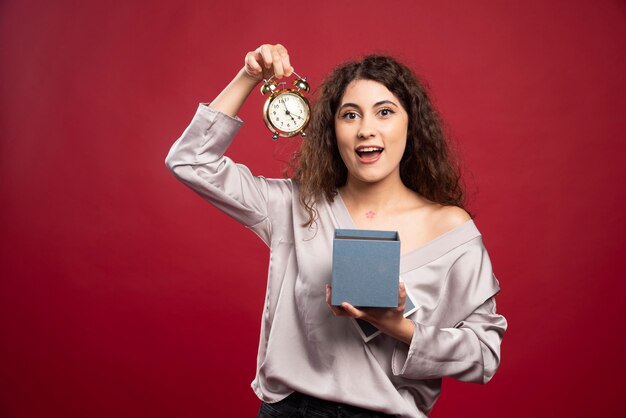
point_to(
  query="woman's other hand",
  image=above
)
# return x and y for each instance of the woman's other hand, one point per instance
(391, 321)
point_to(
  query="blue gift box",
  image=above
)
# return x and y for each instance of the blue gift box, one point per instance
(366, 268)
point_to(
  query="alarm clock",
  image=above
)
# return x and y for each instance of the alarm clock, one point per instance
(286, 111)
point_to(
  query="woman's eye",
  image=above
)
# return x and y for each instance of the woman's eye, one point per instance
(349, 115)
(385, 112)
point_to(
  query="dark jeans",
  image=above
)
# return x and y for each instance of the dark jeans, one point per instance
(304, 406)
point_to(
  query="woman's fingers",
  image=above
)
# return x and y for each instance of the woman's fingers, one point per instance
(280, 61)
(286, 63)
(252, 65)
(352, 311)
(265, 53)
(401, 296)
(268, 60)
(336, 310)
(328, 296)
(368, 314)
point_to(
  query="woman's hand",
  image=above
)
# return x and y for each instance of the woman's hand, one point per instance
(268, 60)
(262, 63)
(391, 321)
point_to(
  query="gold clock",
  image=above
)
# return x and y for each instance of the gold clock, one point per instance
(286, 111)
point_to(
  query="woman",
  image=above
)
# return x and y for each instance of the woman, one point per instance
(374, 158)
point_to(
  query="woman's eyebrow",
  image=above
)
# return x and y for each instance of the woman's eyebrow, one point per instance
(348, 105)
(382, 102)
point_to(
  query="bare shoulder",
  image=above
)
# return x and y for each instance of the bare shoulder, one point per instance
(448, 218)
(428, 221)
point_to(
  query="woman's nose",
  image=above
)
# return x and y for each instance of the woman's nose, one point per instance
(366, 129)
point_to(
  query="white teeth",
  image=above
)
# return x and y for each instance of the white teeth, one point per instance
(369, 149)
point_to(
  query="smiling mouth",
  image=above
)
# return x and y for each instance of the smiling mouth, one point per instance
(369, 153)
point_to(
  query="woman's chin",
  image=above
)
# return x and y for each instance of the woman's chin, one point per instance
(364, 179)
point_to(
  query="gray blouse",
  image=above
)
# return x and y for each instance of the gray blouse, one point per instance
(303, 347)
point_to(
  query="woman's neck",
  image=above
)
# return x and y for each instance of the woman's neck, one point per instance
(376, 197)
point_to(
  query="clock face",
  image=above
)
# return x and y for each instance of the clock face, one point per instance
(288, 112)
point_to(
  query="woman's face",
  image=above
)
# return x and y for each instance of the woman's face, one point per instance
(371, 128)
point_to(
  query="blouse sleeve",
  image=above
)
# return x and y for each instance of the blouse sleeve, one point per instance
(469, 349)
(197, 159)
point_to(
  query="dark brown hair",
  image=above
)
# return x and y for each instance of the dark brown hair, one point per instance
(426, 167)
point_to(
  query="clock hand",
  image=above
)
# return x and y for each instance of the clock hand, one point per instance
(292, 114)
(288, 113)
(298, 116)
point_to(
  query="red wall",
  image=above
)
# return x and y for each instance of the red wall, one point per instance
(123, 294)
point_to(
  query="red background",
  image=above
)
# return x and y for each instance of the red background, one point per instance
(123, 294)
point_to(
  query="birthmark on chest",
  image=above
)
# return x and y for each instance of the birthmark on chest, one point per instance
(370, 214)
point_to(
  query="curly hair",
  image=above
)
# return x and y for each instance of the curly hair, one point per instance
(426, 167)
